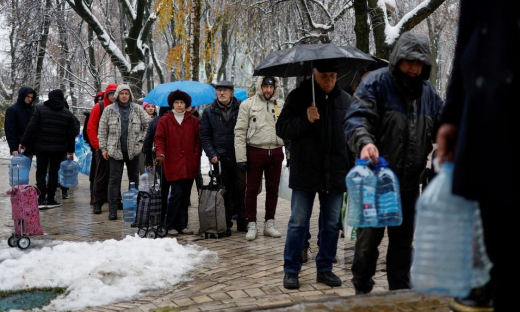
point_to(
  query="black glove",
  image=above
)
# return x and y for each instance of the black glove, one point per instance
(287, 163)
(242, 166)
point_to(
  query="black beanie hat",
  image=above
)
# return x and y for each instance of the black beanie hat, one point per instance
(268, 81)
(56, 94)
(179, 95)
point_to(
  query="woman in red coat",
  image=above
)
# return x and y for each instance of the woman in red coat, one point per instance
(177, 148)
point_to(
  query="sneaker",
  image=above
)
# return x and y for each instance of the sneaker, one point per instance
(42, 203)
(52, 203)
(269, 229)
(252, 231)
(64, 194)
(328, 278)
(187, 231)
(173, 232)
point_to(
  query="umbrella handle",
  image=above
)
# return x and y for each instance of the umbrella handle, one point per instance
(313, 99)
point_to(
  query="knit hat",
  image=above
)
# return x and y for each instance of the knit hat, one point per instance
(179, 95)
(123, 87)
(56, 94)
(146, 104)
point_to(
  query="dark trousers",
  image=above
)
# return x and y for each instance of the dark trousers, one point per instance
(233, 180)
(399, 254)
(48, 161)
(116, 175)
(101, 179)
(92, 176)
(262, 162)
(177, 213)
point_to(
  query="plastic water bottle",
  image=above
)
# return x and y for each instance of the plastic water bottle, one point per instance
(444, 223)
(146, 181)
(130, 203)
(388, 195)
(361, 204)
(19, 169)
(69, 170)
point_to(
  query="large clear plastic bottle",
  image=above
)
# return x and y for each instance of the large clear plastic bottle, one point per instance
(19, 168)
(444, 222)
(388, 195)
(68, 173)
(130, 203)
(361, 204)
(146, 181)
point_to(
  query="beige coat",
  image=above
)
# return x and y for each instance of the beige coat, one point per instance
(256, 122)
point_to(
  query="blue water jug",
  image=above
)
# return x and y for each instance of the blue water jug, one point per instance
(146, 181)
(444, 222)
(388, 195)
(69, 170)
(130, 203)
(19, 169)
(361, 202)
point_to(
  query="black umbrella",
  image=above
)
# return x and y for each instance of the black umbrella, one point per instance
(346, 80)
(298, 60)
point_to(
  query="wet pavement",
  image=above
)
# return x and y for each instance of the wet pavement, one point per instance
(248, 275)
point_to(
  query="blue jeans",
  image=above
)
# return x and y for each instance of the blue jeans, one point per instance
(328, 233)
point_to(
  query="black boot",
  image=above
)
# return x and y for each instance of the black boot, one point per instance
(479, 300)
(97, 208)
(112, 214)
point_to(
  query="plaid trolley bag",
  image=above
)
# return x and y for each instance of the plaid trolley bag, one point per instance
(26, 215)
(212, 212)
(148, 217)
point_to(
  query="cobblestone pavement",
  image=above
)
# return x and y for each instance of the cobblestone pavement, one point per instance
(248, 275)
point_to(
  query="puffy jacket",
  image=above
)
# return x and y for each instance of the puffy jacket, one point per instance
(256, 122)
(109, 132)
(402, 128)
(17, 118)
(218, 136)
(52, 128)
(319, 153)
(95, 115)
(180, 145)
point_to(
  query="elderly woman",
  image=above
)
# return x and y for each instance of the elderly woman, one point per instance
(178, 150)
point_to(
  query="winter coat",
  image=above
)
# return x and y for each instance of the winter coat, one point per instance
(402, 128)
(217, 135)
(109, 131)
(319, 153)
(95, 115)
(17, 118)
(180, 145)
(52, 128)
(148, 145)
(256, 122)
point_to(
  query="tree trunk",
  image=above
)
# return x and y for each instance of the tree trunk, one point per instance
(42, 46)
(224, 45)
(195, 40)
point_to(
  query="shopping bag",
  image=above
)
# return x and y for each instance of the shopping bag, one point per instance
(283, 190)
(348, 230)
(212, 212)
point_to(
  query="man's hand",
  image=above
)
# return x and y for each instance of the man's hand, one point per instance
(446, 140)
(369, 151)
(242, 166)
(159, 160)
(214, 160)
(105, 155)
(14, 153)
(312, 114)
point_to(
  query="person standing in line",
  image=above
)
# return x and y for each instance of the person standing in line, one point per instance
(151, 111)
(178, 150)
(17, 117)
(97, 99)
(394, 114)
(102, 168)
(121, 133)
(319, 163)
(217, 135)
(259, 151)
(52, 129)
(479, 120)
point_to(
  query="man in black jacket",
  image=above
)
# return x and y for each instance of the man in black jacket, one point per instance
(319, 164)
(52, 129)
(217, 135)
(394, 114)
(17, 118)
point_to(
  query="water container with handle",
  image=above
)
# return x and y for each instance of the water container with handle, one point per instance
(388, 195)
(446, 225)
(19, 168)
(146, 181)
(69, 170)
(361, 204)
(130, 203)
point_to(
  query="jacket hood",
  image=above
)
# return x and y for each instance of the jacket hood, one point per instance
(22, 93)
(415, 47)
(100, 93)
(55, 103)
(122, 87)
(258, 84)
(110, 88)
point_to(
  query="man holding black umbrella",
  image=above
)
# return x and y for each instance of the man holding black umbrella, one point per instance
(319, 164)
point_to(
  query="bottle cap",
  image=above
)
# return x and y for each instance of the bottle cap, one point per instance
(361, 161)
(381, 162)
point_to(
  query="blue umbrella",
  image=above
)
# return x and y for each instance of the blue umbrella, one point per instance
(200, 93)
(241, 94)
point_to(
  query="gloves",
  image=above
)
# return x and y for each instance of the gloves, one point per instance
(242, 166)
(287, 163)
